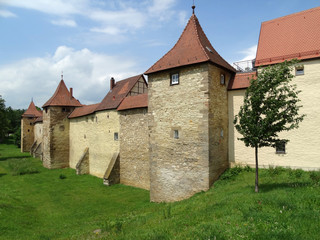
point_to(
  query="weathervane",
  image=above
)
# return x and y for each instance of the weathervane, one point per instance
(193, 7)
(61, 75)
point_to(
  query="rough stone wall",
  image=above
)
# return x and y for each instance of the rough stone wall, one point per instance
(95, 131)
(27, 134)
(134, 148)
(179, 167)
(55, 138)
(38, 131)
(303, 149)
(218, 122)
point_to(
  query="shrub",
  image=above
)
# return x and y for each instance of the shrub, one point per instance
(315, 176)
(231, 173)
(21, 167)
(273, 171)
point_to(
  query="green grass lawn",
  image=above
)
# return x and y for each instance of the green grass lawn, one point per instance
(37, 203)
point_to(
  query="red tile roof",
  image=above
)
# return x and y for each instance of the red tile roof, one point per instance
(241, 80)
(84, 110)
(62, 97)
(32, 111)
(192, 47)
(293, 36)
(38, 120)
(115, 96)
(131, 102)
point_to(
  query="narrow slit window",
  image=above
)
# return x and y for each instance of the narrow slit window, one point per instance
(116, 136)
(176, 134)
(174, 79)
(222, 79)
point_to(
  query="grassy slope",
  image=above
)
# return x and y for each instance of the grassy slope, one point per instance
(44, 206)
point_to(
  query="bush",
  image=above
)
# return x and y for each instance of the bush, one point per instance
(273, 171)
(21, 167)
(315, 176)
(231, 173)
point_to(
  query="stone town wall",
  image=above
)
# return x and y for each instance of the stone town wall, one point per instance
(134, 148)
(38, 131)
(56, 137)
(27, 134)
(179, 167)
(303, 149)
(218, 122)
(95, 131)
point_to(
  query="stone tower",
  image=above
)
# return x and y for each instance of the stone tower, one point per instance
(56, 127)
(27, 128)
(188, 117)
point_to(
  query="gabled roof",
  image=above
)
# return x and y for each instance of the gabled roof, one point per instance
(84, 110)
(115, 96)
(32, 111)
(62, 97)
(293, 36)
(192, 47)
(131, 102)
(241, 80)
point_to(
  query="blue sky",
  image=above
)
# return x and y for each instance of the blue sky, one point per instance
(94, 40)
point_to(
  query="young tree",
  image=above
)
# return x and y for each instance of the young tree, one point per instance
(270, 107)
(3, 119)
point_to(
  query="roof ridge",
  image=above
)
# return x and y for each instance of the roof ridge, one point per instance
(292, 15)
(195, 26)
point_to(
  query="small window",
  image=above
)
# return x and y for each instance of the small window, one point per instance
(116, 136)
(176, 134)
(281, 148)
(65, 109)
(174, 79)
(299, 70)
(222, 79)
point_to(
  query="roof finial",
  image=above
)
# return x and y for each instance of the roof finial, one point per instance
(61, 75)
(193, 7)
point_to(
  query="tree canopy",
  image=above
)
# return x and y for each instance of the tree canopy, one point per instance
(271, 105)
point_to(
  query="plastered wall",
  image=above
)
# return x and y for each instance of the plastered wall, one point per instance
(303, 149)
(38, 130)
(95, 131)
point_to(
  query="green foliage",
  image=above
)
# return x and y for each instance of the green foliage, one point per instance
(271, 105)
(231, 173)
(274, 171)
(62, 176)
(4, 123)
(41, 206)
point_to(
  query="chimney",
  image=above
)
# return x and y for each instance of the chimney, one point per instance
(112, 83)
(71, 92)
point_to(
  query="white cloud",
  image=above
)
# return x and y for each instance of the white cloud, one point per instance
(86, 71)
(249, 53)
(108, 30)
(64, 22)
(6, 14)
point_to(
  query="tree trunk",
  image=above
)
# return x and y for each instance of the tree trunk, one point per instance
(257, 169)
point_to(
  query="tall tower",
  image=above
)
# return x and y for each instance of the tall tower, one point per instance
(56, 127)
(188, 117)
(27, 127)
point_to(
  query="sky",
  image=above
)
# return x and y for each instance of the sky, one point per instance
(91, 41)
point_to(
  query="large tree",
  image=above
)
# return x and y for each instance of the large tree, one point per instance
(3, 119)
(270, 107)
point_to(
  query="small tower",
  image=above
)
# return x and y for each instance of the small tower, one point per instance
(188, 117)
(56, 127)
(27, 127)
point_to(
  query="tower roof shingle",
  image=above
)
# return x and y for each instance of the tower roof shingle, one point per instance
(192, 47)
(32, 111)
(62, 97)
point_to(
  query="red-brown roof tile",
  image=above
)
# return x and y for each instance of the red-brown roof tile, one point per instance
(115, 96)
(62, 97)
(293, 36)
(84, 110)
(241, 80)
(32, 111)
(192, 47)
(38, 120)
(131, 102)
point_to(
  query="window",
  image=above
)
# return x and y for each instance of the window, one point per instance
(174, 79)
(281, 147)
(116, 136)
(176, 134)
(299, 70)
(65, 110)
(222, 79)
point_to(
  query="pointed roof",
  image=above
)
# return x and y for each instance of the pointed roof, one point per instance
(192, 47)
(293, 36)
(62, 97)
(115, 96)
(32, 111)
